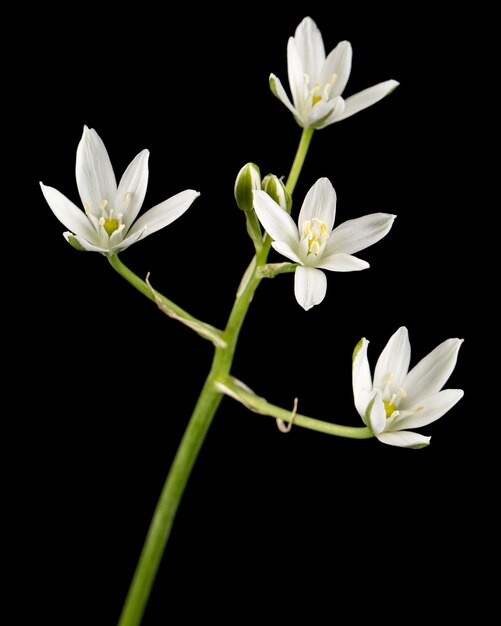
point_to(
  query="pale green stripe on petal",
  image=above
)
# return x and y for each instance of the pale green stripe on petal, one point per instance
(361, 379)
(279, 92)
(84, 244)
(129, 240)
(375, 413)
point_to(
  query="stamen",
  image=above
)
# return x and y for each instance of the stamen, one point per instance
(314, 247)
(315, 232)
(389, 378)
(103, 204)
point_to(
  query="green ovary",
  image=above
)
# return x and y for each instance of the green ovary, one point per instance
(389, 408)
(110, 225)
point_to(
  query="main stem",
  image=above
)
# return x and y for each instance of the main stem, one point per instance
(198, 426)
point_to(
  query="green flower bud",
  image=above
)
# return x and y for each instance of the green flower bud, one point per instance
(248, 179)
(275, 188)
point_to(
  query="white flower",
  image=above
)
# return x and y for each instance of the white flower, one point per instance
(396, 399)
(315, 246)
(108, 223)
(317, 82)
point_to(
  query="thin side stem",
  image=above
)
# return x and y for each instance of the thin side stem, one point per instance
(263, 407)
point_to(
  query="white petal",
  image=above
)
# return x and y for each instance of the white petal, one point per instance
(132, 189)
(404, 439)
(310, 47)
(321, 112)
(359, 233)
(164, 213)
(129, 240)
(296, 73)
(86, 245)
(394, 360)
(342, 263)
(310, 286)
(366, 98)
(361, 378)
(286, 250)
(68, 213)
(338, 110)
(94, 172)
(277, 222)
(320, 203)
(431, 373)
(436, 406)
(338, 63)
(375, 413)
(278, 91)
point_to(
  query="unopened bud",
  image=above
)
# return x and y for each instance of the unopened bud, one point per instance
(275, 188)
(248, 179)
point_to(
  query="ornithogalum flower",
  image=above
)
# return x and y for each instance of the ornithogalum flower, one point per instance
(317, 82)
(313, 244)
(397, 399)
(108, 222)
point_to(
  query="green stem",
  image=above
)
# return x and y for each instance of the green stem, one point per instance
(233, 388)
(198, 426)
(168, 504)
(297, 165)
(146, 290)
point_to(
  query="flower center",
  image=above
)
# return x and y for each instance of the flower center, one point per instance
(392, 399)
(319, 92)
(108, 221)
(389, 408)
(315, 235)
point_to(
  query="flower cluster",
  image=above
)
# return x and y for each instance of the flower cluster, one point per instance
(394, 400)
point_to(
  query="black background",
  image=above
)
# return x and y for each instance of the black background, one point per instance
(270, 524)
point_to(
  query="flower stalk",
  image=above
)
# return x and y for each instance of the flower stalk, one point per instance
(208, 402)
